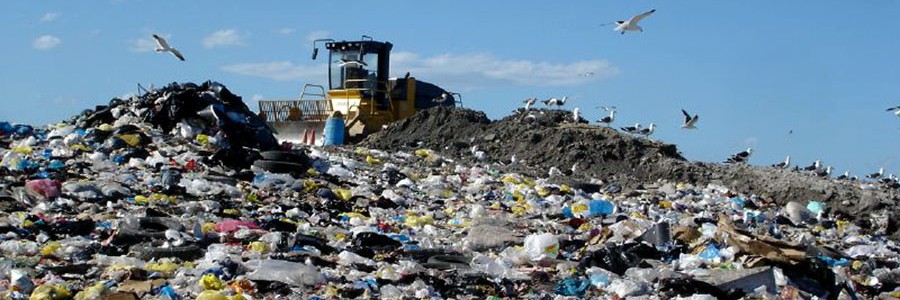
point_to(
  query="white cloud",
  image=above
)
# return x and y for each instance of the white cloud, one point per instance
(286, 31)
(478, 70)
(224, 37)
(319, 34)
(256, 98)
(46, 42)
(454, 71)
(144, 44)
(50, 16)
(281, 71)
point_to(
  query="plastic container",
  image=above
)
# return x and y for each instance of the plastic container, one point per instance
(334, 131)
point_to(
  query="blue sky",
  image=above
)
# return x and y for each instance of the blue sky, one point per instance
(752, 70)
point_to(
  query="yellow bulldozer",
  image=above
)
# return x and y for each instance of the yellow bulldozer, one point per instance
(360, 88)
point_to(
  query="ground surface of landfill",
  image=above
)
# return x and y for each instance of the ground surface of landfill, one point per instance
(158, 197)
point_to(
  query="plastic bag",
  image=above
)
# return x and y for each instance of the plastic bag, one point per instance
(541, 246)
(284, 271)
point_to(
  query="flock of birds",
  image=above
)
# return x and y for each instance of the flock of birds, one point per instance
(690, 122)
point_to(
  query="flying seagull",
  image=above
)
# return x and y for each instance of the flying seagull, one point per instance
(163, 46)
(784, 164)
(689, 122)
(529, 102)
(876, 175)
(632, 129)
(555, 101)
(608, 119)
(647, 131)
(631, 24)
(895, 110)
(740, 157)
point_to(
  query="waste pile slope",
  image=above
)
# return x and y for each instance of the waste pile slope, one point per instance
(541, 140)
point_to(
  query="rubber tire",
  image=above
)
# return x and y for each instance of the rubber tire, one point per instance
(147, 251)
(285, 156)
(142, 228)
(280, 166)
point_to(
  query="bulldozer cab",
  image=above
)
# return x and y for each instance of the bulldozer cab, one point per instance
(362, 66)
(359, 87)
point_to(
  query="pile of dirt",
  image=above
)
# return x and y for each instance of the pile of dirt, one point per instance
(545, 139)
(550, 139)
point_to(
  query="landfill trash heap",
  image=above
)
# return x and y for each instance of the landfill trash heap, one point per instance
(182, 193)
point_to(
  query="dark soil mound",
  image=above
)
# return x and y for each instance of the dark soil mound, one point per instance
(544, 139)
(550, 139)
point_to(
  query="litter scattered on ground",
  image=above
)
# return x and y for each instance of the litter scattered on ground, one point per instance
(183, 193)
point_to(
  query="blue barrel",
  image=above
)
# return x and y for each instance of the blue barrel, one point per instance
(334, 132)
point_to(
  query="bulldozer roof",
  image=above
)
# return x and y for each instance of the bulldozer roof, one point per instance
(369, 46)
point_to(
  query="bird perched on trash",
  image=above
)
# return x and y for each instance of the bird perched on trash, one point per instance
(647, 131)
(817, 165)
(576, 115)
(784, 164)
(689, 121)
(823, 173)
(632, 129)
(529, 102)
(895, 110)
(530, 118)
(632, 24)
(608, 119)
(163, 46)
(740, 157)
(571, 171)
(479, 155)
(443, 97)
(876, 175)
(844, 176)
(556, 101)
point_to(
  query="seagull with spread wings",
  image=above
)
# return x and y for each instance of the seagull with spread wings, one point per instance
(690, 122)
(163, 46)
(631, 24)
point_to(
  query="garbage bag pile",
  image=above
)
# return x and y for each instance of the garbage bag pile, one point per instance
(84, 218)
(208, 111)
